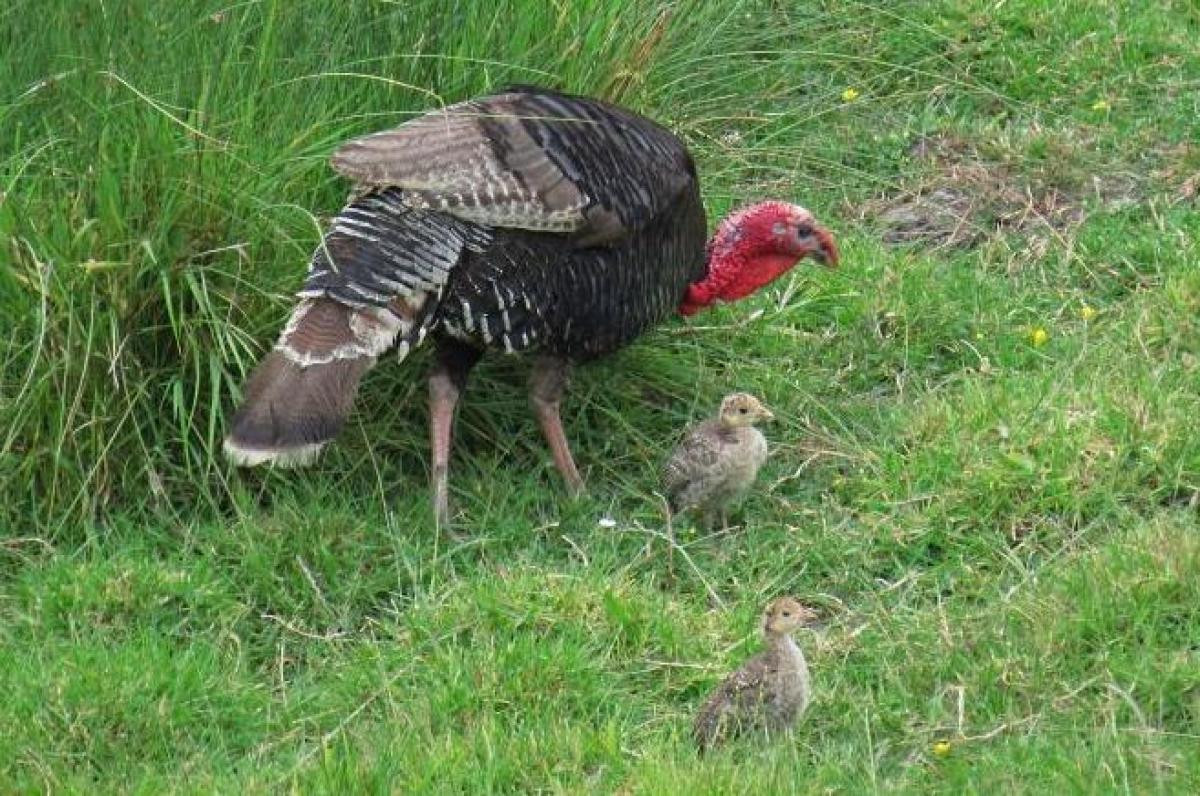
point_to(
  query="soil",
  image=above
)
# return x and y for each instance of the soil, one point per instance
(966, 198)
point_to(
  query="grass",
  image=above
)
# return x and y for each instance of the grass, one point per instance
(1001, 528)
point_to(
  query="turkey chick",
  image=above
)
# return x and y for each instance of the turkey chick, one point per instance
(770, 692)
(718, 459)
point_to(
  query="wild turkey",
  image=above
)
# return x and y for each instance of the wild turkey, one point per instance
(524, 221)
(717, 460)
(770, 692)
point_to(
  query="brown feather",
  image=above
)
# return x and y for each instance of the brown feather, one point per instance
(529, 159)
(290, 412)
(731, 708)
(299, 396)
(448, 158)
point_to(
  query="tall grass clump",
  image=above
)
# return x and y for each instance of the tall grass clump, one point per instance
(164, 179)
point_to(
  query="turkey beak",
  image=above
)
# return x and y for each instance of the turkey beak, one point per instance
(826, 252)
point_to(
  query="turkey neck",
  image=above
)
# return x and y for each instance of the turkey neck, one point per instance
(794, 682)
(731, 433)
(734, 271)
(785, 647)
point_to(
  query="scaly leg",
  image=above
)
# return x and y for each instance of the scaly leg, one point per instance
(446, 383)
(546, 386)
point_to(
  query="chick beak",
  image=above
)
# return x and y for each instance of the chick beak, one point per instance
(826, 252)
(766, 414)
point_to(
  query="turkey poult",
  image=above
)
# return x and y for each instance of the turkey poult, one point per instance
(770, 692)
(524, 221)
(717, 460)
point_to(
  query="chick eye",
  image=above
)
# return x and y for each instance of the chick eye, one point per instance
(742, 410)
(787, 613)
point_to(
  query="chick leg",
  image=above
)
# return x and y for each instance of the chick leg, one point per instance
(547, 383)
(446, 382)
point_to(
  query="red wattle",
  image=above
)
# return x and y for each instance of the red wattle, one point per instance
(696, 299)
(734, 278)
(756, 273)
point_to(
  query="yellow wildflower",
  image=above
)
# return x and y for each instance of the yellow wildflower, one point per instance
(941, 749)
(1087, 312)
(850, 94)
(1100, 105)
(1039, 336)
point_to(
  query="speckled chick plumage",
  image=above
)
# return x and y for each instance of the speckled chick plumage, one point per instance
(717, 460)
(769, 692)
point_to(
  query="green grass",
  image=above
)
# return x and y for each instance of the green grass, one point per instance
(1003, 536)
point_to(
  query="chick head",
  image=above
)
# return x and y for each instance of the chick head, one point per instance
(743, 409)
(785, 615)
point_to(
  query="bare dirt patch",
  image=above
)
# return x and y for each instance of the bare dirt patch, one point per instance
(967, 197)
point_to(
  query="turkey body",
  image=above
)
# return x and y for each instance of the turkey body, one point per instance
(713, 466)
(770, 692)
(527, 291)
(525, 221)
(503, 276)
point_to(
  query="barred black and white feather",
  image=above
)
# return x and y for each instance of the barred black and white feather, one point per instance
(528, 220)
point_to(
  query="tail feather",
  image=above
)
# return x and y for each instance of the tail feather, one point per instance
(299, 396)
(290, 411)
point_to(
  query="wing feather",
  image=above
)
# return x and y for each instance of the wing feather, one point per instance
(733, 706)
(529, 159)
(694, 464)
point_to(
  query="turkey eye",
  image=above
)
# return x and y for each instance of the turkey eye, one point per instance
(787, 613)
(803, 230)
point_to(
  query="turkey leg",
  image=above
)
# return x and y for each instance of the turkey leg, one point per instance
(446, 383)
(547, 383)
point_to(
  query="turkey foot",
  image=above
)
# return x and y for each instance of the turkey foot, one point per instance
(547, 383)
(446, 384)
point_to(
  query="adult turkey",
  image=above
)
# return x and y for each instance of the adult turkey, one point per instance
(527, 220)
